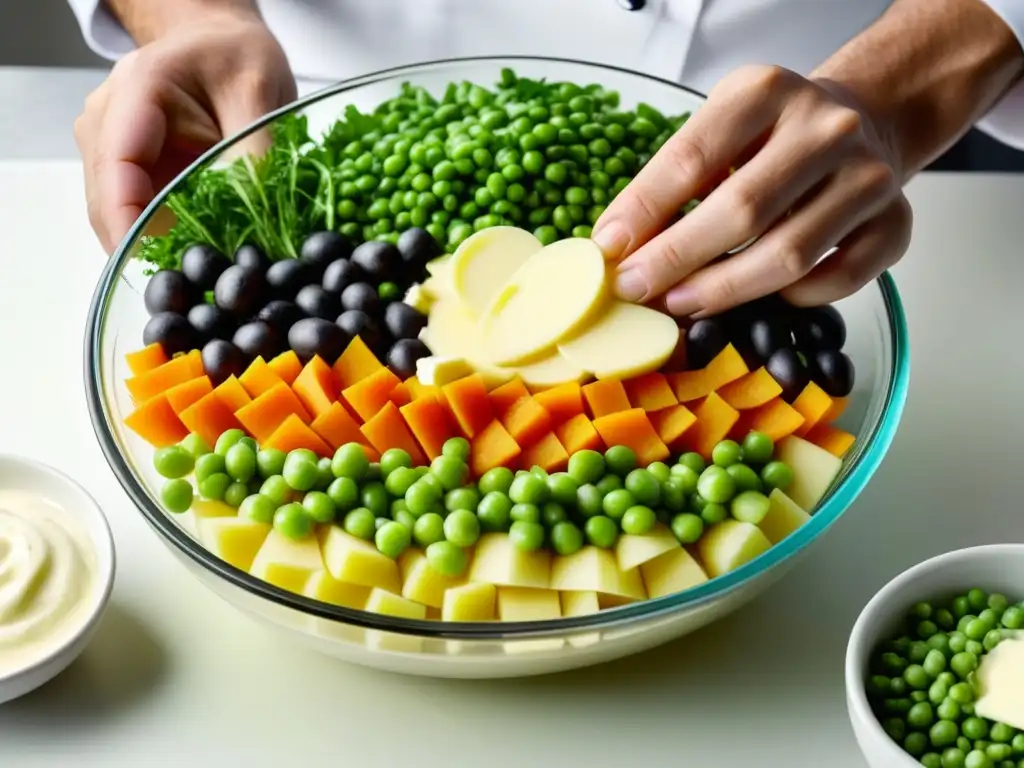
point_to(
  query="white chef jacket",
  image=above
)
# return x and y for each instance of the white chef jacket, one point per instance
(694, 42)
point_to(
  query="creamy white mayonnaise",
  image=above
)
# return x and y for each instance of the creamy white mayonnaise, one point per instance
(1000, 679)
(47, 577)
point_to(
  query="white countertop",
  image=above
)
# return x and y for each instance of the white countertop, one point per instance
(177, 677)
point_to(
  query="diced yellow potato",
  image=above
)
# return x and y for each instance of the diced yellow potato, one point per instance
(388, 604)
(434, 289)
(784, 516)
(452, 332)
(593, 569)
(606, 601)
(437, 370)
(484, 262)
(419, 299)
(632, 550)
(235, 540)
(672, 571)
(324, 587)
(552, 296)
(578, 603)
(814, 470)
(440, 267)
(470, 602)
(287, 563)
(356, 561)
(498, 561)
(550, 371)
(729, 544)
(626, 340)
(520, 604)
(204, 508)
(422, 583)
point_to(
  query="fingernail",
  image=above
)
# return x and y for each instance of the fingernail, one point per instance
(682, 301)
(630, 285)
(613, 239)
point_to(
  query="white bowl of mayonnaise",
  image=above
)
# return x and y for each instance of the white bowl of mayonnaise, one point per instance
(56, 573)
(997, 568)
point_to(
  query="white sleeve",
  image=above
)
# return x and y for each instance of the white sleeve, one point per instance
(101, 30)
(1006, 120)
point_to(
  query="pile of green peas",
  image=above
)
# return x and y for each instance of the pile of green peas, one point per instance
(922, 684)
(543, 156)
(438, 508)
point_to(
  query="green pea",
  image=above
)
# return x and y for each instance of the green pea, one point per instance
(712, 513)
(974, 648)
(399, 480)
(961, 607)
(977, 600)
(462, 498)
(948, 710)
(776, 474)
(916, 677)
(586, 467)
(527, 513)
(1013, 618)
(258, 508)
(462, 528)
(240, 462)
(528, 489)
(926, 629)
(319, 507)
(176, 495)
(195, 445)
(276, 489)
(360, 523)
(961, 693)
(609, 483)
(921, 716)
(173, 461)
(428, 529)
(601, 531)
(227, 439)
(553, 513)
(726, 453)
(423, 496)
(992, 639)
(1002, 733)
(566, 538)
(953, 757)
(915, 744)
(998, 752)
(235, 494)
(456, 448)
(497, 480)
(494, 511)
(620, 460)
(589, 500)
(686, 477)
(750, 507)
(638, 520)
(895, 728)
(392, 539)
(374, 497)
(644, 486)
(758, 448)
(692, 460)
(616, 502)
(215, 486)
(293, 522)
(745, 478)
(300, 472)
(562, 488)
(526, 536)
(974, 728)
(392, 459)
(350, 461)
(546, 234)
(445, 558)
(962, 664)
(944, 618)
(943, 734)
(716, 485)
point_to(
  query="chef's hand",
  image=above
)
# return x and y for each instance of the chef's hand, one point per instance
(167, 102)
(812, 173)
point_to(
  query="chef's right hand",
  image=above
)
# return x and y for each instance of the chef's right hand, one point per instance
(167, 102)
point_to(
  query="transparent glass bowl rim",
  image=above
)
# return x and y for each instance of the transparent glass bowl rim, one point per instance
(840, 498)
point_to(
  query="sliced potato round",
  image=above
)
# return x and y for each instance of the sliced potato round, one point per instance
(484, 262)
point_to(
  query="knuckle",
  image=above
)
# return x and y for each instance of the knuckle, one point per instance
(746, 209)
(687, 158)
(842, 124)
(722, 292)
(758, 78)
(793, 260)
(879, 179)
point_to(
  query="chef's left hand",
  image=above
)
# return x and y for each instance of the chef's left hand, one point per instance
(812, 173)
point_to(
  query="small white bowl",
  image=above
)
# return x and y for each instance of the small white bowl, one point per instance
(21, 474)
(994, 568)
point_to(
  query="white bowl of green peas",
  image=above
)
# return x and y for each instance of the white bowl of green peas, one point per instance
(909, 687)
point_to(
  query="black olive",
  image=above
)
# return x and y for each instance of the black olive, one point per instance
(286, 277)
(168, 291)
(313, 336)
(322, 248)
(257, 339)
(249, 255)
(355, 322)
(768, 335)
(403, 356)
(403, 321)
(787, 369)
(833, 371)
(362, 296)
(222, 359)
(211, 322)
(316, 302)
(281, 316)
(240, 290)
(417, 247)
(818, 328)
(340, 274)
(380, 260)
(171, 331)
(202, 265)
(704, 339)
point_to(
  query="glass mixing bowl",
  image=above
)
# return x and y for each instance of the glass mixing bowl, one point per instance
(877, 344)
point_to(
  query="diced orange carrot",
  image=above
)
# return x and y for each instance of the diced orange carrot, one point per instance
(812, 403)
(294, 433)
(548, 453)
(750, 391)
(337, 427)
(442, 401)
(232, 393)
(727, 366)
(387, 429)
(269, 411)
(418, 389)
(777, 419)
(429, 424)
(508, 394)
(492, 447)
(633, 429)
(209, 418)
(743, 424)
(259, 378)
(671, 423)
(145, 359)
(563, 402)
(286, 365)
(181, 396)
(163, 377)
(156, 422)
(400, 395)
(315, 387)
(356, 363)
(368, 395)
(835, 441)
(578, 434)
(605, 396)
(715, 419)
(838, 409)
(467, 398)
(650, 392)
(526, 421)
